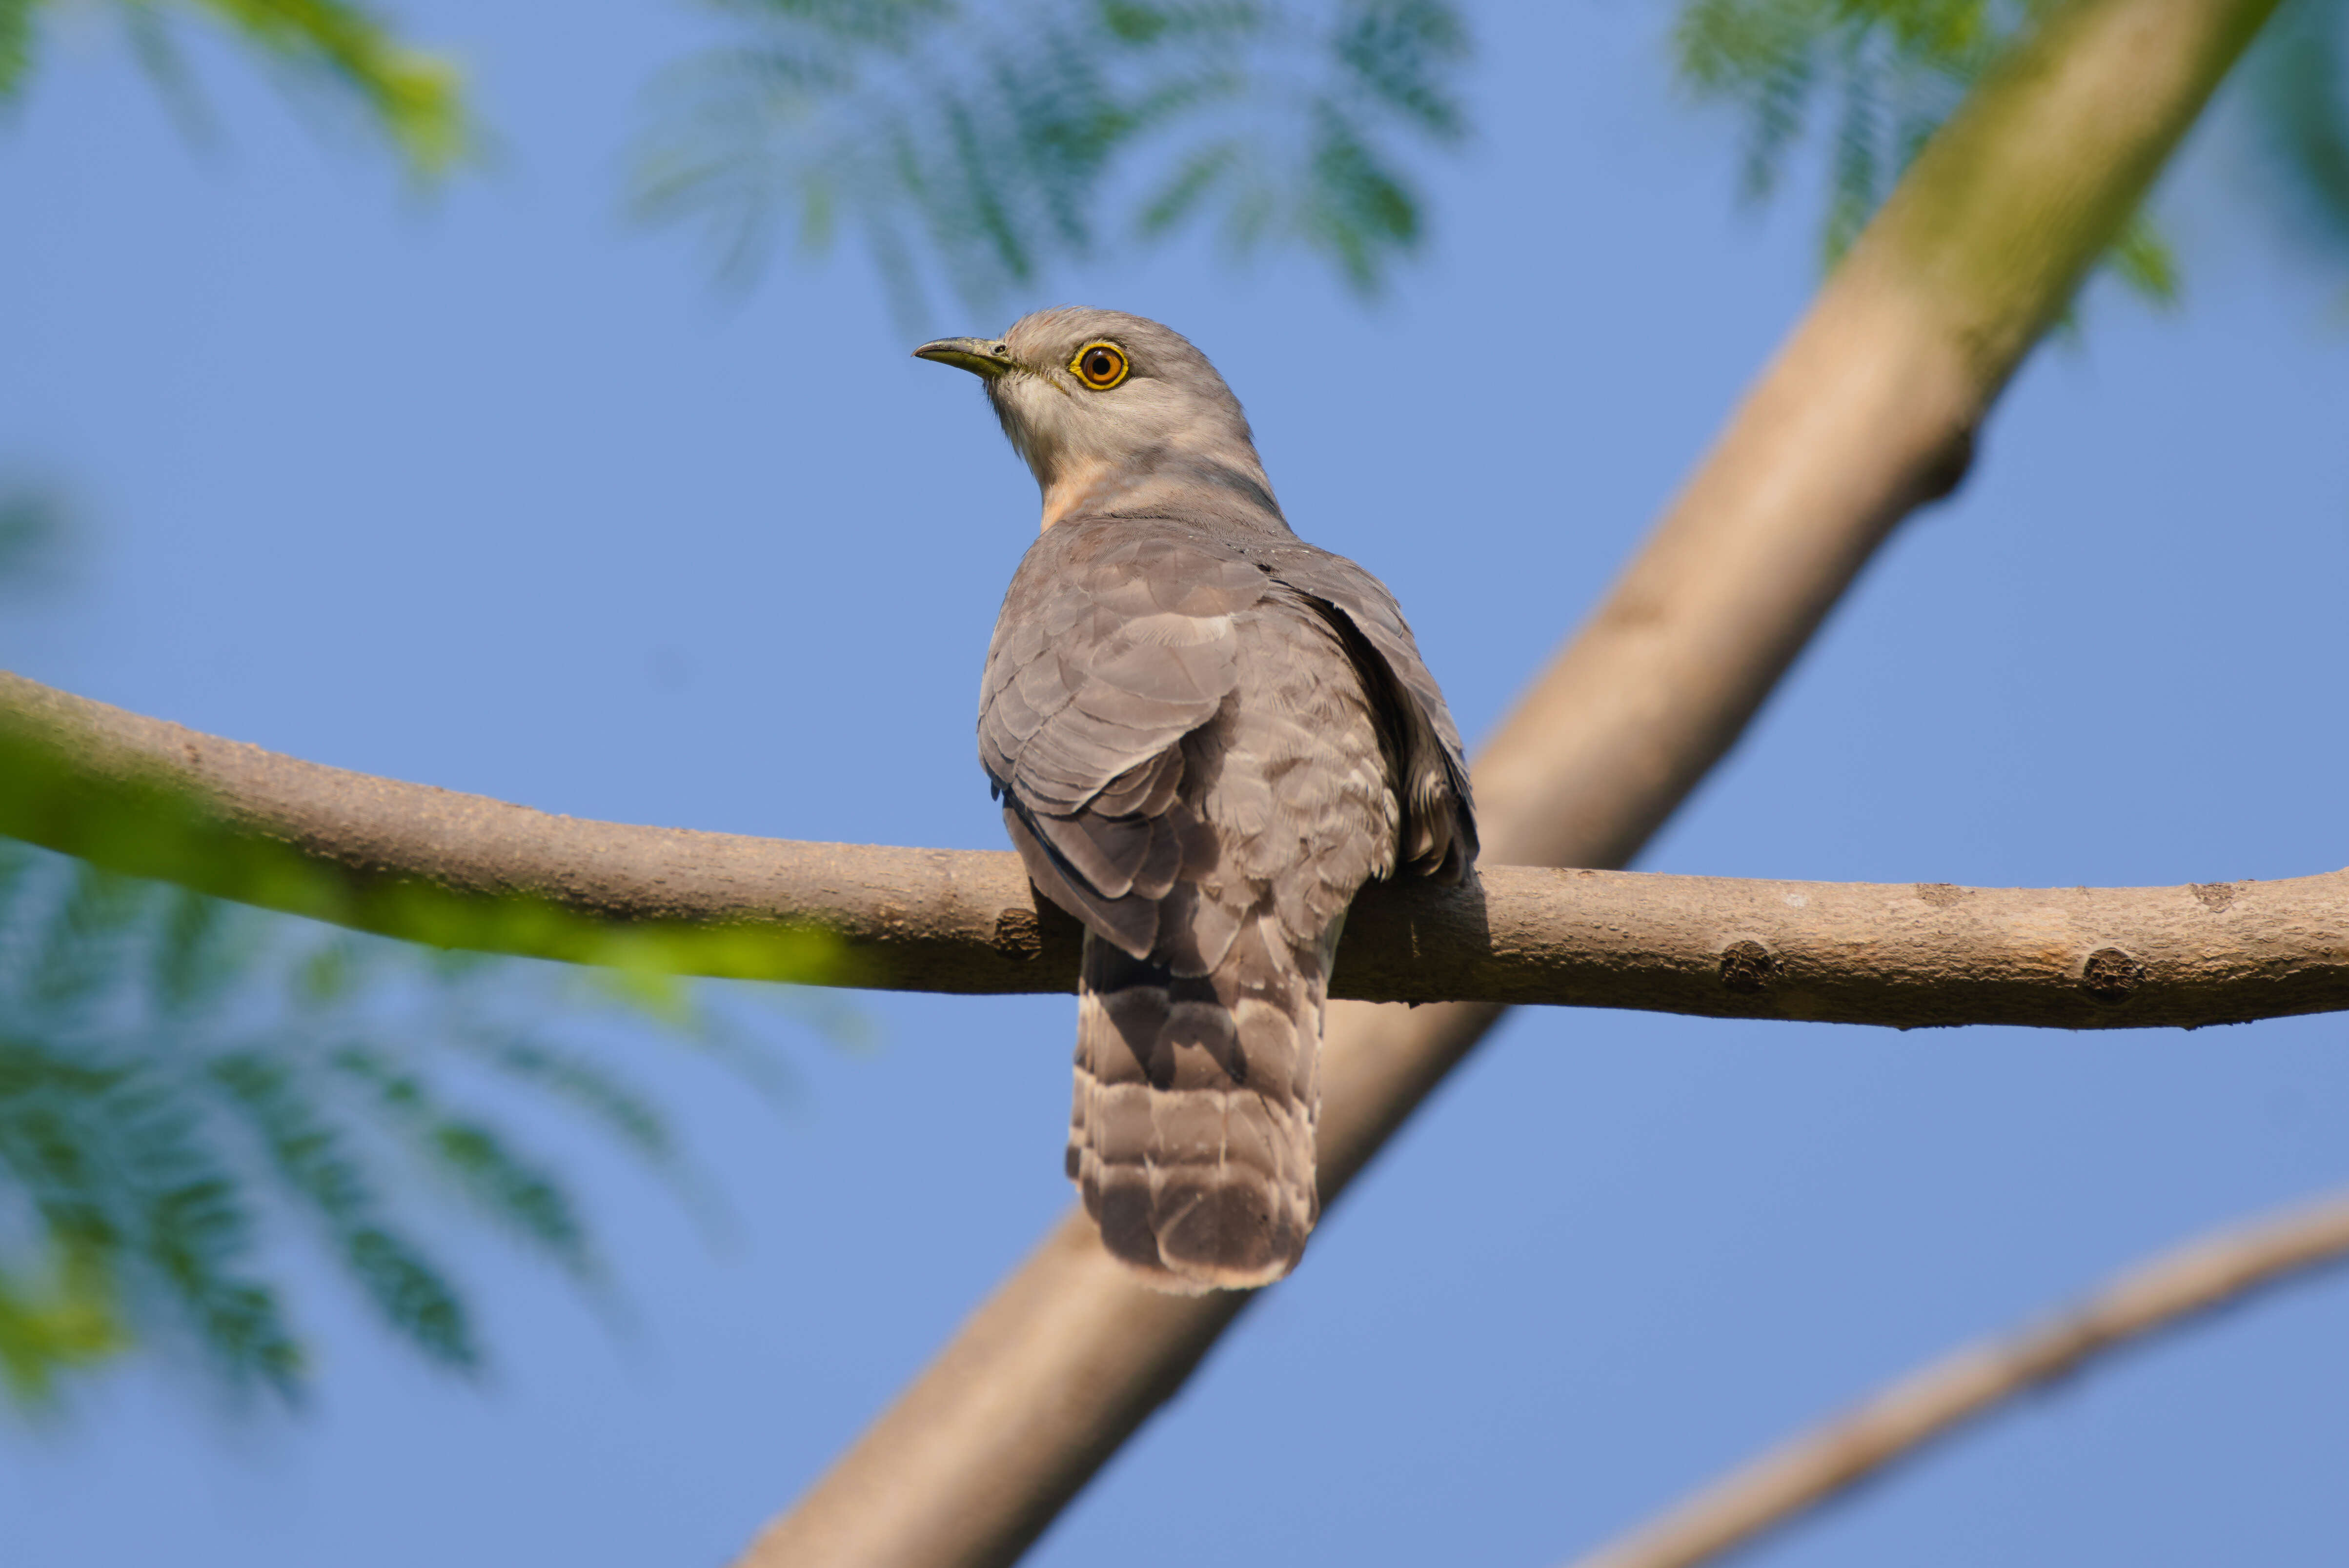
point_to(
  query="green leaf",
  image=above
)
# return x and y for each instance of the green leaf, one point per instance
(315, 1160)
(2141, 258)
(89, 939)
(984, 147)
(1892, 70)
(56, 1119)
(16, 47)
(202, 949)
(621, 1108)
(513, 1189)
(54, 1319)
(507, 1185)
(2296, 77)
(178, 1075)
(413, 100)
(192, 1229)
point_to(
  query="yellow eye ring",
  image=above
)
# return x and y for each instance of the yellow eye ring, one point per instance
(1100, 365)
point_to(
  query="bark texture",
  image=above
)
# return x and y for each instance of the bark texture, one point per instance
(431, 865)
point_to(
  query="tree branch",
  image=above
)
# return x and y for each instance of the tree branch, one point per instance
(430, 865)
(1933, 1401)
(1867, 411)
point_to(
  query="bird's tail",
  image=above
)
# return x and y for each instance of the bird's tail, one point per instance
(1192, 1135)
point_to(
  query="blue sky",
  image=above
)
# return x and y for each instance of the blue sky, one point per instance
(498, 494)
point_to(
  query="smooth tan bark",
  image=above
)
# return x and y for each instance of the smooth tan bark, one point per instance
(427, 864)
(1868, 410)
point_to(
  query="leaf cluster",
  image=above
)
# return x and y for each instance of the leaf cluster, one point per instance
(1873, 79)
(188, 1086)
(974, 145)
(2301, 108)
(333, 49)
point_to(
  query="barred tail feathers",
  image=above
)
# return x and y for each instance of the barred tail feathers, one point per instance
(1191, 1136)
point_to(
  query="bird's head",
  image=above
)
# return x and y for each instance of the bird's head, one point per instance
(1117, 415)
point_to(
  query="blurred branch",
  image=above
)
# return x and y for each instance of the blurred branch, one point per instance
(1883, 76)
(409, 861)
(2217, 1271)
(149, 798)
(1867, 411)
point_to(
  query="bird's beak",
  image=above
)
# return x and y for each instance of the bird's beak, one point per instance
(979, 356)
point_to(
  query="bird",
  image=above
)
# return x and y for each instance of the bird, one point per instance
(1206, 736)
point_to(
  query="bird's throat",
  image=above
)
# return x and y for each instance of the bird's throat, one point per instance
(1079, 488)
(1176, 485)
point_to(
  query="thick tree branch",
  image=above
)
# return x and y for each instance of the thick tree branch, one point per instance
(1868, 411)
(1931, 1402)
(410, 860)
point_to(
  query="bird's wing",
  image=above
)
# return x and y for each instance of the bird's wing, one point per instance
(1439, 829)
(1115, 641)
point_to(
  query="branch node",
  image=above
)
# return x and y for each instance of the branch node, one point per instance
(1746, 968)
(1947, 469)
(2111, 976)
(2215, 896)
(1016, 933)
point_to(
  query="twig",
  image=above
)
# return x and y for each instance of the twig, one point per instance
(2215, 1271)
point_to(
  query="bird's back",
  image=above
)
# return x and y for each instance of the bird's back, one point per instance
(1208, 736)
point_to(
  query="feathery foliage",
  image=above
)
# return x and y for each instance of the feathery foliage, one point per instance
(1883, 75)
(186, 1083)
(975, 146)
(2297, 73)
(33, 533)
(1880, 76)
(413, 100)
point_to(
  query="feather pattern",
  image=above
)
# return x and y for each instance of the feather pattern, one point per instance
(1206, 736)
(1218, 775)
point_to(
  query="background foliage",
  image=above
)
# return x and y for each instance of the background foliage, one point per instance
(989, 143)
(1864, 83)
(186, 1085)
(981, 145)
(189, 1087)
(332, 52)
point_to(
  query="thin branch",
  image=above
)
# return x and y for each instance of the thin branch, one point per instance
(1867, 412)
(410, 860)
(2217, 1271)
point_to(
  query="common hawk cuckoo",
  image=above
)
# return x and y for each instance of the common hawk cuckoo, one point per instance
(1206, 735)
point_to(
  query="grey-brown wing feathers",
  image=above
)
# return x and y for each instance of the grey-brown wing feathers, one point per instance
(1204, 748)
(1110, 650)
(1439, 829)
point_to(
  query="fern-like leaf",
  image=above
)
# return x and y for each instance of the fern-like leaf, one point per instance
(982, 146)
(178, 1075)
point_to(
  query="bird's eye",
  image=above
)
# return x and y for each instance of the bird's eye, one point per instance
(1100, 366)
